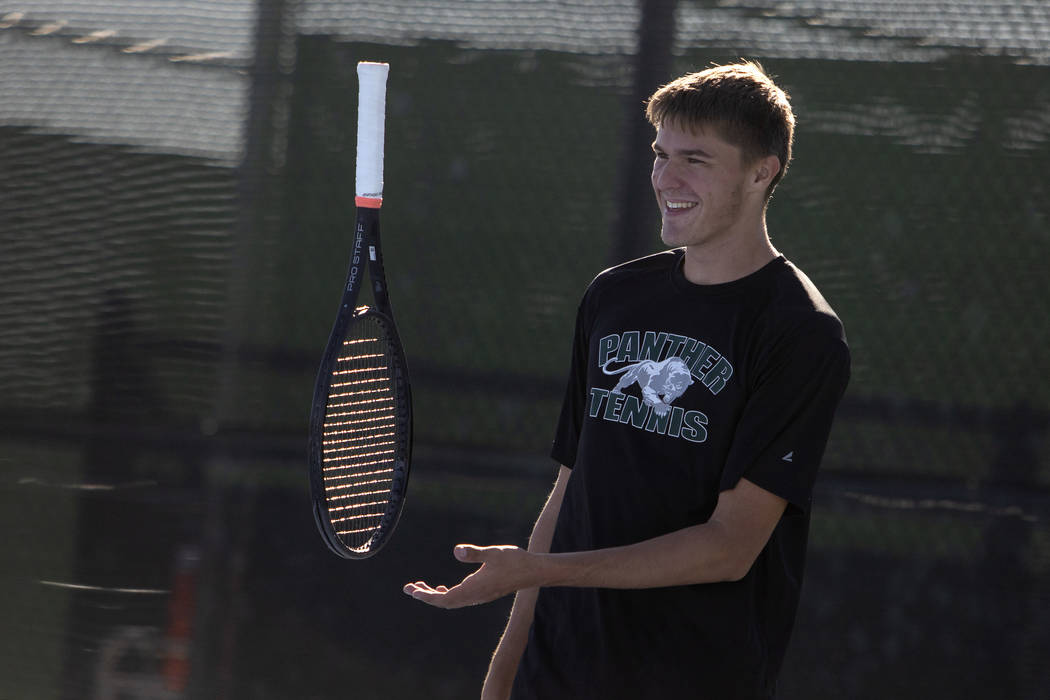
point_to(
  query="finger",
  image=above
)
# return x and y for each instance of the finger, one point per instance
(424, 593)
(411, 588)
(436, 598)
(468, 553)
(432, 595)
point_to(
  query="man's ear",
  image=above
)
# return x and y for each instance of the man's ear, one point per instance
(763, 172)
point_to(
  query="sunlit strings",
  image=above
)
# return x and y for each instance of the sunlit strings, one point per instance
(359, 444)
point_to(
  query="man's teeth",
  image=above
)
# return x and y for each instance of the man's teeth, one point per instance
(680, 205)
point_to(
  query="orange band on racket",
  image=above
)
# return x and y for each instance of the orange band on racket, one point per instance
(369, 202)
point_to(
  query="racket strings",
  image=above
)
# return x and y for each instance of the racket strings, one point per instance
(377, 412)
(354, 439)
(341, 433)
(360, 440)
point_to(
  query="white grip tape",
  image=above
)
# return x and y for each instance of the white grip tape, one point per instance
(371, 113)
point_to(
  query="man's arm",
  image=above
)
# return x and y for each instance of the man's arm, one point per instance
(511, 646)
(721, 549)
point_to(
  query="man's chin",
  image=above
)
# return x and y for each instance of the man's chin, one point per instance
(670, 239)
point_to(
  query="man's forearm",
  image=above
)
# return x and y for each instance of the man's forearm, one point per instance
(721, 549)
(512, 644)
(505, 659)
(698, 554)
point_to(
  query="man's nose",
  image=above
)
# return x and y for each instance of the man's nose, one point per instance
(666, 175)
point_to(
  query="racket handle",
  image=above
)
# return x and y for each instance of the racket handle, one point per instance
(371, 117)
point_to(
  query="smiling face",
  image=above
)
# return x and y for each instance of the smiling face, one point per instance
(704, 188)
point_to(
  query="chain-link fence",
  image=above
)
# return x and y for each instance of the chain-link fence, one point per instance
(174, 211)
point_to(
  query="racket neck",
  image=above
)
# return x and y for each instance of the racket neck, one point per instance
(377, 273)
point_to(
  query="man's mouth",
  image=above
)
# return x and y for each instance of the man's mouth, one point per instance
(678, 205)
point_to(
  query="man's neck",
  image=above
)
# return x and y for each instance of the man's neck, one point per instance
(729, 260)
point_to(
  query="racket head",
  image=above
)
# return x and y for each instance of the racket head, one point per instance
(361, 436)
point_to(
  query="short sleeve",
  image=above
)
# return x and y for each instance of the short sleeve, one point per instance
(786, 421)
(570, 422)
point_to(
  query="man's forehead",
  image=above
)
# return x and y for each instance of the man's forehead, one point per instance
(681, 136)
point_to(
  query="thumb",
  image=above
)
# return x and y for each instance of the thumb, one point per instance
(468, 553)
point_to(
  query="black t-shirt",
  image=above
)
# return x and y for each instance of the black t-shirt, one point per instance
(677, 391)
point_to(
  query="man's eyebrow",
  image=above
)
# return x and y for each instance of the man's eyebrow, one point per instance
(684, 152)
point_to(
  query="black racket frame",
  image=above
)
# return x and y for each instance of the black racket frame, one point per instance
(366, 240)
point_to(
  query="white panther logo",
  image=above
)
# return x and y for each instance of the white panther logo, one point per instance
(661, 382)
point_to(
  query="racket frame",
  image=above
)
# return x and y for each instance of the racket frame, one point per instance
(366, 254)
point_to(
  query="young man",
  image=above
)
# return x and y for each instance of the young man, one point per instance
(668, 559)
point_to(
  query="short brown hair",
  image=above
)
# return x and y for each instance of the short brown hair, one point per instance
(739, 100)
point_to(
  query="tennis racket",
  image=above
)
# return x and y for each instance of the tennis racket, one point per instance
(361, 417)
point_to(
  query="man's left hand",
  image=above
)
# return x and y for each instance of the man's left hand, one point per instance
(505, 569)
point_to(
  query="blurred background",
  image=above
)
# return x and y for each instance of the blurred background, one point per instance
(176, 181)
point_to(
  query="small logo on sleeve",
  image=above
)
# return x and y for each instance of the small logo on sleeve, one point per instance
(789, 457)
